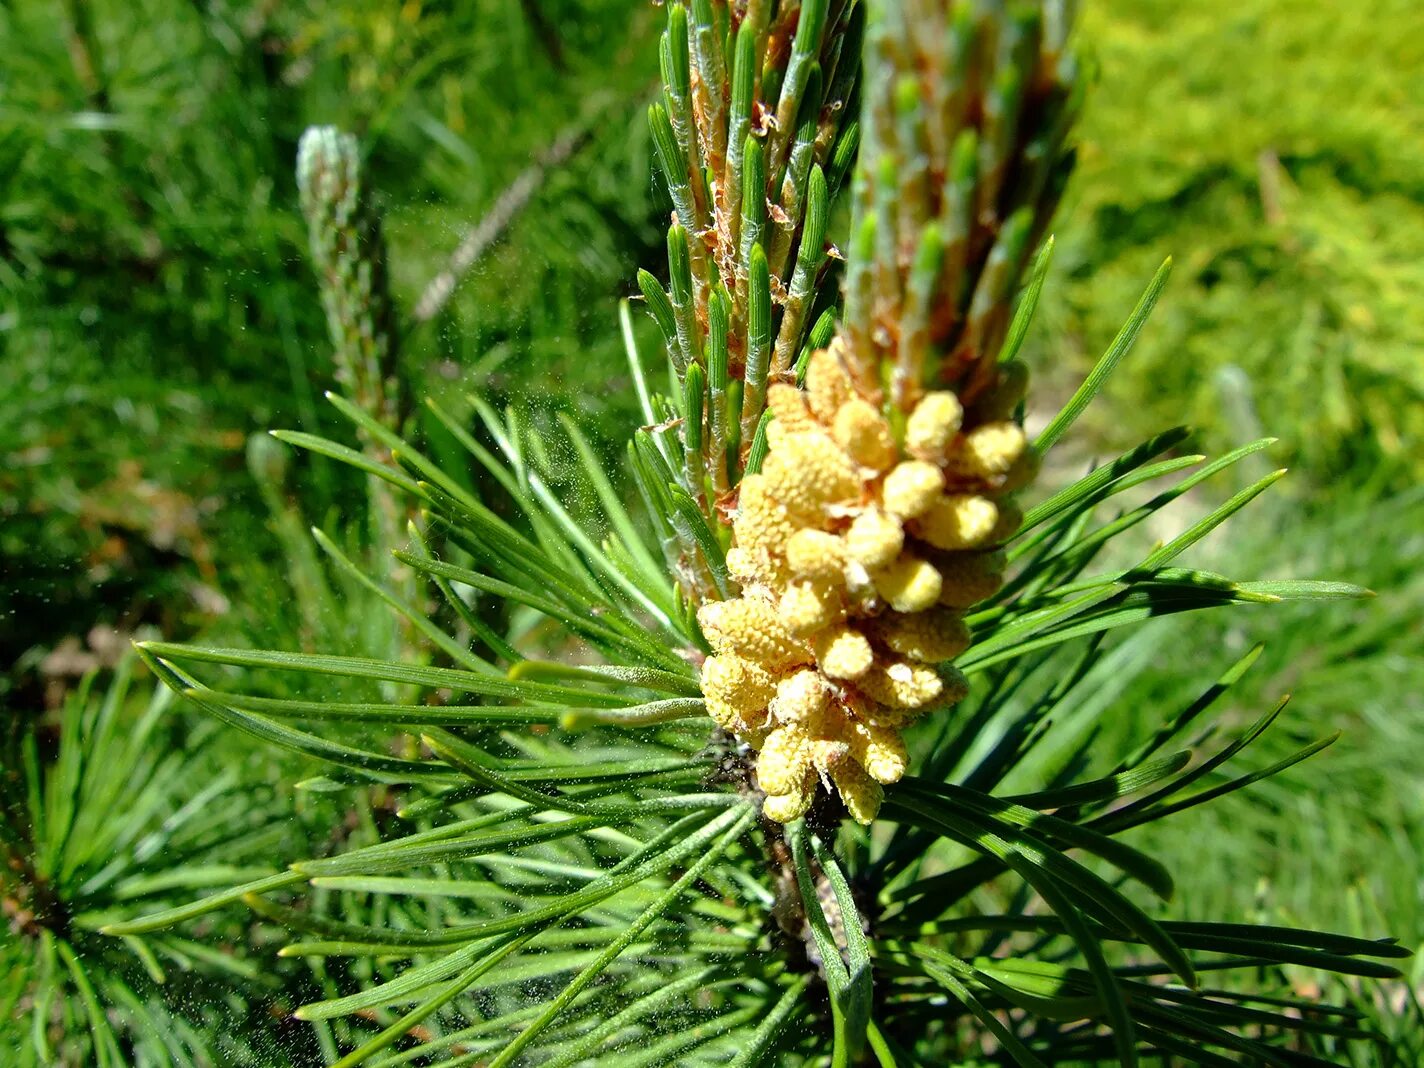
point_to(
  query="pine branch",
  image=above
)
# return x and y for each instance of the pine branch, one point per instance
(496, 222)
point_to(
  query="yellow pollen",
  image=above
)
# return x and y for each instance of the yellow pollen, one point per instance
(724, 715)
(856, 557)
(958, 521)
(827, 754)
(828, 386)
(800, 697)
(784, 760)
(880, 751)
(750, 629)
(784, 808)
(874, 538)
(788, 405)
(742, 566)
(988, 451)
(810, 605)
(740, 684)
(814, 554)
(929, 637)
(908, 583)
(862, 794)
(807, 474)
(843, 653)
(762, 524)
(865, 437)
(902, 684)
(911, 488)
(932, 426)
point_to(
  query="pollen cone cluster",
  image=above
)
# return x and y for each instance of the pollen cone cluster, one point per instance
(857, 554)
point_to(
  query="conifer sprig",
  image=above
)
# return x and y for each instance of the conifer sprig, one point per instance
(350, 255)
(877, 517)
(601, 814)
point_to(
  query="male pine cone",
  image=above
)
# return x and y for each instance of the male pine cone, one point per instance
(857, 552)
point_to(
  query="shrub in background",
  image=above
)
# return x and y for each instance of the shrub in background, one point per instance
(1273, 146)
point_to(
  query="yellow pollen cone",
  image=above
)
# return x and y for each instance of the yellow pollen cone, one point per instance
(911, 488)
(932, 426)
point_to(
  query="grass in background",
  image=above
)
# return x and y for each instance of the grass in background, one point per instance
(1273, 149)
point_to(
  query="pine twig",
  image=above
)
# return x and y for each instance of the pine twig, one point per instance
(496, 222)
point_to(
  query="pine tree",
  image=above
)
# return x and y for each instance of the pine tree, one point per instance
(897, 843)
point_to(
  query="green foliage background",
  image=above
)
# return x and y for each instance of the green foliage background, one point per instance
(159, 302)
(157, 307)
(1274, 148)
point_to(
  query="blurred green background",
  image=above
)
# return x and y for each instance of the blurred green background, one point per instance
(157, 307)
